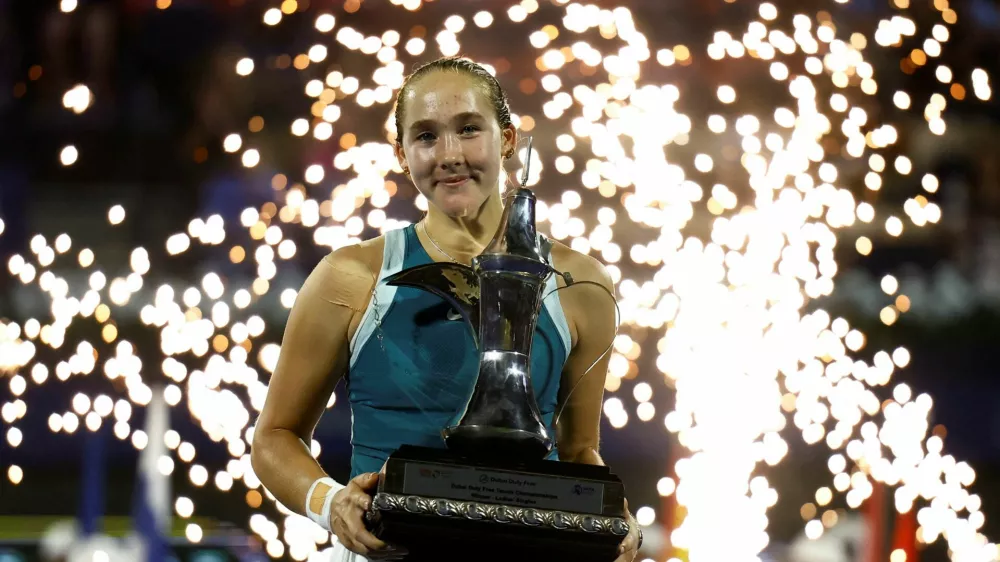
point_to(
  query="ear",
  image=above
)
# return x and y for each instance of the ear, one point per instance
(509, 143)
(400, 156)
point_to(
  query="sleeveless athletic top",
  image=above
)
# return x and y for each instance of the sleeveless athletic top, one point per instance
(414, 362)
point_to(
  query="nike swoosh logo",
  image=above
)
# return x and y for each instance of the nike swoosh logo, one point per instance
(454, 315)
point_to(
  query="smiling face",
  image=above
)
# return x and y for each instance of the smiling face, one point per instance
(451, 141)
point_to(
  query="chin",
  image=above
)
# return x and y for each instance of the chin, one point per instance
(458, 211)
(460, 205)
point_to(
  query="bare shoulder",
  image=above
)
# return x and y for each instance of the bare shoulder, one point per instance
(348, 274)
(365, 255)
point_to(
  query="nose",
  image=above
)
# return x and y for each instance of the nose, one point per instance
(451, 154)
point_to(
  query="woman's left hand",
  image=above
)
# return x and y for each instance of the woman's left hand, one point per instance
(629, 548)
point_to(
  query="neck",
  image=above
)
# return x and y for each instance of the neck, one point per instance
(465, 236)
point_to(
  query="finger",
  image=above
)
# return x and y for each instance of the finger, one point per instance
(367, 480)
(627, 556)
(344, 534)
(632, 542)
(354, 546)
(362, 500)
(359, 534)
(629, 544)
(370, 541)
(392, 552)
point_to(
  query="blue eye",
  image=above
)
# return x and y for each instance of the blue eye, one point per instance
(425, 137)
(468, 129)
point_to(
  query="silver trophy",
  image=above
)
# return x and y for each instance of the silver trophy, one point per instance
(500, 298)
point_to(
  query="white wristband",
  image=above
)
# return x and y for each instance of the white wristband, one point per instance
(323, 518)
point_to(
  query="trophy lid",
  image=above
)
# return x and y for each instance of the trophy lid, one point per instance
(517, 234)
(516, 239)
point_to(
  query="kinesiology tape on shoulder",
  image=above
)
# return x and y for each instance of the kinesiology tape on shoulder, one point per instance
(343, 284)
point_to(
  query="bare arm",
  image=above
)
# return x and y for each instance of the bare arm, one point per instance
(314, 357)
(578, 428)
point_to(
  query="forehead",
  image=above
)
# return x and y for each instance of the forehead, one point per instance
(441, 95)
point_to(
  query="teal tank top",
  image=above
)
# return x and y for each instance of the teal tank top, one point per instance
(414, 362)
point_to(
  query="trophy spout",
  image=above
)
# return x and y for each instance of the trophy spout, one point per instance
(457, 284)
(517, 236)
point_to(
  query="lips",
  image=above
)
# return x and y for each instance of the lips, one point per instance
(454, 181)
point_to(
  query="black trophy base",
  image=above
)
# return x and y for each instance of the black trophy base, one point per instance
(441, 506)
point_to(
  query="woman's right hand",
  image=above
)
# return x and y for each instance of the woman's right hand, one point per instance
(347, 519)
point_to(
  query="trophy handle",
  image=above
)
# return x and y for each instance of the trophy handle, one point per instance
(455, 283)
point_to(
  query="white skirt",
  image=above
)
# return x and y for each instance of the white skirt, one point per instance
(341, 554)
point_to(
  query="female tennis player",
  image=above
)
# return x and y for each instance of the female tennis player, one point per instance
(409, 361)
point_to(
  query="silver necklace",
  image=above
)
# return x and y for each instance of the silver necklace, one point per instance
(439, 248)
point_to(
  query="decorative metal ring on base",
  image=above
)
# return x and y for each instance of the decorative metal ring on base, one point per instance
(560, 520)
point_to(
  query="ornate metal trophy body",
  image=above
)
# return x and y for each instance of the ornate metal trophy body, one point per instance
(490, 490)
